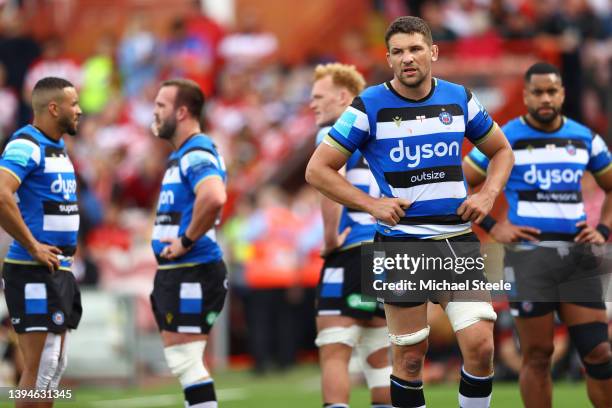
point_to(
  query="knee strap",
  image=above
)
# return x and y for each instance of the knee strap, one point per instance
(410, 338)
(186, 362)
(61, 365)
(373, 339)
(49, 361)
(586, 337)
(344, 335)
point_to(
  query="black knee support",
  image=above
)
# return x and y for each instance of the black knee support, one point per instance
(586, 337)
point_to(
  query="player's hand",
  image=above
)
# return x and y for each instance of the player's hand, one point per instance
(476, 207)
(389, 210)
(174, 249)
(46, 255)
(588, 234)
(331, 246)
(504, 232)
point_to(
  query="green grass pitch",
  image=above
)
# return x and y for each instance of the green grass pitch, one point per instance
(298, 388)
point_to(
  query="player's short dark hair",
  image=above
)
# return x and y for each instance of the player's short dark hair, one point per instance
(188, 94)
(541, 68)
(409, 25)
(52, 83)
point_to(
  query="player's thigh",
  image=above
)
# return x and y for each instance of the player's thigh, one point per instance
(374, 322)
(573, 313)
(405, 320)
(325, 322)
(31, 346)
(172, 338)
(536, 334)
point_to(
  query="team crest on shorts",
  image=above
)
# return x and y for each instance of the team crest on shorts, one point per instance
(527, 306)
(445, 117)
(58, 318)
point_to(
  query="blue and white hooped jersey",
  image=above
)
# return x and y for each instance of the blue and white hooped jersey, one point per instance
(414, 151)
(46, 196)
(358, 174)
(195, 161)
(544, 189)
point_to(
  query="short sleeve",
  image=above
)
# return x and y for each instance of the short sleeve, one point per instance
(479, 124)
(21, 156)
(600, 159)
(198, 164)
(477, 160)
(351, 130)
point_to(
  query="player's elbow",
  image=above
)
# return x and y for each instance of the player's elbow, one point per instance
(312, 174)
(217, 200)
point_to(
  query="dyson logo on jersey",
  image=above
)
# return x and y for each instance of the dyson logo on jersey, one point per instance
(546, 178)
(414, 154)
(65, 187)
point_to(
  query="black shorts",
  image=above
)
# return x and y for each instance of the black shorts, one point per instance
(339, 288)
(468, 247)
(543, 278)
(189, 299)
(40, 301)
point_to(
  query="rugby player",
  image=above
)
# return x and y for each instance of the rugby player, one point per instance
(38, 208)
(544, 197)
(406, 129)
(191, 281)
(344, 320)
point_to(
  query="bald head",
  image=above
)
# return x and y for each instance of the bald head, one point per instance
(47, 90)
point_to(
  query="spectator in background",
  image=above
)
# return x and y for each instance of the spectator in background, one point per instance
(433, 13)
(137, 56)
(98, 72)
(9, 103)
(188, 56)
(53, 63)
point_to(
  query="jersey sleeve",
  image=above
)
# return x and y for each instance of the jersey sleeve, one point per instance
(321, 134)
(351, 130)
(21, 156)
(199, 164)
(479, 124)
(477, 160)
(600, 159)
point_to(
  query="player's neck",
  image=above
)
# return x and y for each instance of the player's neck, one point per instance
(47, 129)
(414, 93)
(545, 127)
(183, 134)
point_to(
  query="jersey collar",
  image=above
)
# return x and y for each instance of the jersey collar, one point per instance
(434, 82)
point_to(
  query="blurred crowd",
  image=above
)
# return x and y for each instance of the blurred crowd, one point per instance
(258, 115)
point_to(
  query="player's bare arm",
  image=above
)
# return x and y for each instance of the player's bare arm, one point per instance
(322, 173)
(594, 235)
(12, 222)
(499, 152)
(210, 198)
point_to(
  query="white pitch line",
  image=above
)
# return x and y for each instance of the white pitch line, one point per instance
(228, 394)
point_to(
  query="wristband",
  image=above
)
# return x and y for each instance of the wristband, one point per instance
(603, 230)
(186, 242)
(488, 223)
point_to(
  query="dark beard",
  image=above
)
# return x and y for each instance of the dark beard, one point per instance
(544, 119)
(167, 129)
(67, 126)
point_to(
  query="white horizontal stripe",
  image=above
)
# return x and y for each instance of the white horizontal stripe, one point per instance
(35, 291)
(550, 210)
(362, 218)
(58, 165)
(407, 128)
(542, 155)
(329, 312)
(359, 176)
(473, 108)
(361, 120)
(433, 191)
(197, 157)
(172, 176)
(191, 290)
(36, 328)
(429, 230)
(598, 146)
(165, 231)
(333, 275)
(61, 223)
(189, 329)
(31, 145)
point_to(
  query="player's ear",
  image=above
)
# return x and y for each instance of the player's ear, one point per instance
(181, 113)
(389, 59)
(53, 108)
(434, 52)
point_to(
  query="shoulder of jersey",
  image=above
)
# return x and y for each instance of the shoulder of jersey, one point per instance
(27, 133)
(571, 124)
(201, 140)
